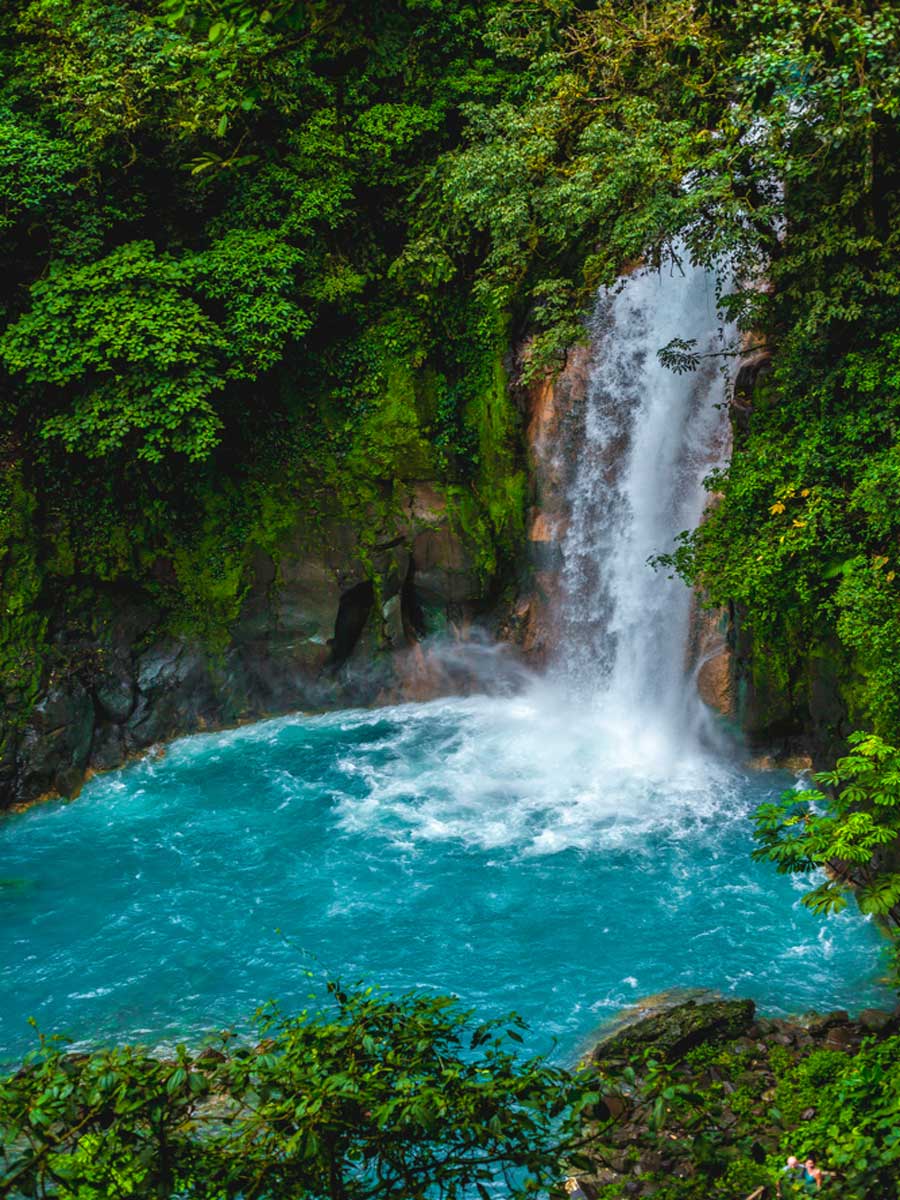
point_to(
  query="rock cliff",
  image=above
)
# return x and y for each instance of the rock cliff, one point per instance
(325, 621)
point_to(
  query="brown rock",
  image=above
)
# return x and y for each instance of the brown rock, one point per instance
(843, 1037)
(650, 1160)
(210, 1055)
(875, 1020)
(820, 1023)
(710, 657)
(551, 402)
(615, 1105)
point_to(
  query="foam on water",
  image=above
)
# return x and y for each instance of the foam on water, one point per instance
(523, 773)
(499, 848)
(560, 847)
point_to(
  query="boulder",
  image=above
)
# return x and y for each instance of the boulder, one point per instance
(108, 750)
(819, 1023)
(876, 1020)
(55, 744)
(446, 574)
(843, 1037)
(672, 1033)
(176, 694)
(114, 696)
(329, 617)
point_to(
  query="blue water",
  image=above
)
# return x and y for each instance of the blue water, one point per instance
(513, 851)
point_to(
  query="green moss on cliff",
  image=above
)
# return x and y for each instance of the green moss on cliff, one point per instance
(212, 563)
(491, 512)
(23, 623)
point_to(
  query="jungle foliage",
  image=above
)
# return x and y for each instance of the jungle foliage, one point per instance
(256, 257)
(380, 1097)
(850, 829)
(721, 1122)
(846, 830)
(372, 1097)
(278, 252)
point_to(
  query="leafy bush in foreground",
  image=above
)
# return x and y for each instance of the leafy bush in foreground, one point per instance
(850, 830)
(408, 1098)
(376, 1097)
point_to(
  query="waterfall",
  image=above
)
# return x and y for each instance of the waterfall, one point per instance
(648, 438)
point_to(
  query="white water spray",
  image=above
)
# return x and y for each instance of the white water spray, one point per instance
(649, 438)
(603, 752)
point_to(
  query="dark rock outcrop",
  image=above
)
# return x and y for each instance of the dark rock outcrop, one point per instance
(55, 746)
(731, 1066)
(672, 1032)
(324, 622)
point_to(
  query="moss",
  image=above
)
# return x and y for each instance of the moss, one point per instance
(388, 442)
(801, 1085)
(212, 563)
(23, 623)
(492, 513)
(674, 1032)
(347, 457)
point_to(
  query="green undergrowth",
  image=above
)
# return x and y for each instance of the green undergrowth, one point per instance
(336, 479)
(286, 251)
(372, 1097)
(722, 1122)
(23, 625)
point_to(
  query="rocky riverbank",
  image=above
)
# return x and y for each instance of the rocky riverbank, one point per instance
(708, 1098)
(313, 632)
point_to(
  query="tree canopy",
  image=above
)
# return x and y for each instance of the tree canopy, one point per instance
(247, 243)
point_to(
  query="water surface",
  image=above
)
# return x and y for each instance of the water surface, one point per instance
(519, 852)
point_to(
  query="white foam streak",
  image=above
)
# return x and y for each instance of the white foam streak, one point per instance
(534, 773)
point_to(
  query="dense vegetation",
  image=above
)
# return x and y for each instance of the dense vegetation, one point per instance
(375, 1097)
(263, 261)
(256, 257)
(210, 325)
(849, 831)
(406, 1098)
(720, 1118)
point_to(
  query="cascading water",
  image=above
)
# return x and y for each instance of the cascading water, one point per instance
(561, 850)
(648, 438)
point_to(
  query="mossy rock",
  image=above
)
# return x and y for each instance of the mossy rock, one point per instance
(672, 1033)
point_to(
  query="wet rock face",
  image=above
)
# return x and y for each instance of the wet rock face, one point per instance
(710, 659)
(674, 1031)
(314, 632)
(56, 744)
(554, 407)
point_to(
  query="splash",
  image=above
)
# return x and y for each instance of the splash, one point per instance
(559, 846)
(488, 846)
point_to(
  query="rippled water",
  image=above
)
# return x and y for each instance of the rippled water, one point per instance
(519, 852)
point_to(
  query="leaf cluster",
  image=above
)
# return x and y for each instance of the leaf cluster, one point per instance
(377, 1096)
(850, 831)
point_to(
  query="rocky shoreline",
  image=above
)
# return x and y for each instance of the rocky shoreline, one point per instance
(311, 635)
(708, 1098)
